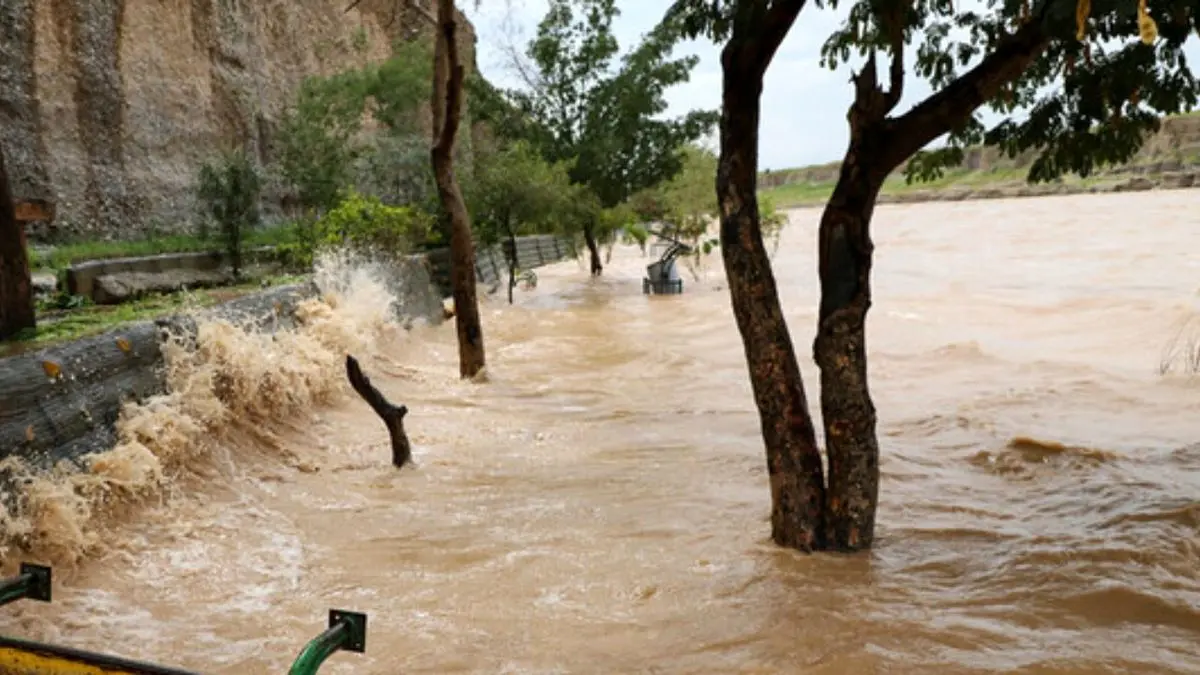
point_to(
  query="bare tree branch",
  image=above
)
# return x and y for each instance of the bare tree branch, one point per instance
(518, 63)
(392, 415)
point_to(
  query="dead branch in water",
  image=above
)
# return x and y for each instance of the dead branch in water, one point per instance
(392, 415)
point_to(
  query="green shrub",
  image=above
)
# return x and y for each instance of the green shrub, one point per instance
(361, 224)
(229, 191)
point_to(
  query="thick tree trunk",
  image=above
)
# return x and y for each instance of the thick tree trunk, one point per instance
(840, 348)
(447, 111)
(840, 351)
(16, 286)
(793, 458)
(589, 238)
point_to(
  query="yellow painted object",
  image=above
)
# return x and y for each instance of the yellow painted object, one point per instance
(1147, 29)
(18, 657)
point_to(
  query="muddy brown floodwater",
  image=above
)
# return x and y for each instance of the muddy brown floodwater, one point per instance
(601, 506)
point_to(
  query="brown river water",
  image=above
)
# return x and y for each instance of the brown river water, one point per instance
(601, 505)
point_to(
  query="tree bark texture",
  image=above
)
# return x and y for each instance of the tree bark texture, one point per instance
(510, 256)
(448, 74)
(392, 415)
(793, 458)
(878, 145)
(16, 286)
(589, 238)
(840, 350)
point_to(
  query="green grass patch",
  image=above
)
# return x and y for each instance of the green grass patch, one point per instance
(812, 185)
(795, 195)
(57, 325)
(799, 194)
(61, 257)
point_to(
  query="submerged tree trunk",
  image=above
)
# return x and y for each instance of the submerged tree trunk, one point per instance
(447, 111)
(878, 145)
(793, 458)
(840, 351)
(16, 286)
(589, 238)
(510, 252)
(840, 348)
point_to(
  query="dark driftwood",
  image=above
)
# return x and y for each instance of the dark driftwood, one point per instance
(392, 415)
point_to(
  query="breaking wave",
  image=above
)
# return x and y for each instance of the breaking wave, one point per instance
(232, 378)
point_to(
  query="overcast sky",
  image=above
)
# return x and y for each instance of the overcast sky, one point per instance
(804, 105)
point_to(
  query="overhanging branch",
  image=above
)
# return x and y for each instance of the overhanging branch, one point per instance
(951, 107)
(758, 49)
(895, 29)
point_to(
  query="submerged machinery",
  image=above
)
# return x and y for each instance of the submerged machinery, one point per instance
(662, 277)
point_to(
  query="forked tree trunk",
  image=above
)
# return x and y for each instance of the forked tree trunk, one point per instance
(840, 347)
(878, 145)
(793, 458)
(16, 286)
(448, 76)
(589, 238)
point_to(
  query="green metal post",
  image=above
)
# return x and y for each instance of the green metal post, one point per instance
(33, 582)
(347, 631)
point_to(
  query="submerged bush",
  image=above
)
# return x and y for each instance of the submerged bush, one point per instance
(229, 190)
(362, 224)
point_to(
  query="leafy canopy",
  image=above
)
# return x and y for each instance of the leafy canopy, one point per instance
(1082, 81)
(687, 205)
(361, 224)
(1103, 75)
(229, 189)
(603, 110)
(320, 147)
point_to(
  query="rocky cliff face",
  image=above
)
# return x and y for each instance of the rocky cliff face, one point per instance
(108, 107)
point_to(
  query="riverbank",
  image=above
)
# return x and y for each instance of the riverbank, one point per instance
(975, 185)
(58, 324)
(1170, 159)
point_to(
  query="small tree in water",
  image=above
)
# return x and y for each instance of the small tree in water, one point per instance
(229, 191)
(585, 105)
(1113, 83)
(516, 192)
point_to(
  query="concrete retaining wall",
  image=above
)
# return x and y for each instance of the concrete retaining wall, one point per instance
(81, 278)
(491, 266)
(62, 402)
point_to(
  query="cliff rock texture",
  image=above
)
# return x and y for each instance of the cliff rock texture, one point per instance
(109, 107)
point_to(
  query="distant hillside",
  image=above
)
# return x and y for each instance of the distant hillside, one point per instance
(1171, 159)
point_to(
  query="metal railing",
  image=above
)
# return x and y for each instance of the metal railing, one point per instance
(347, 631)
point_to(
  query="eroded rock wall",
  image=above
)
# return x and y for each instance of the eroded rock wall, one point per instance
(109, 107)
